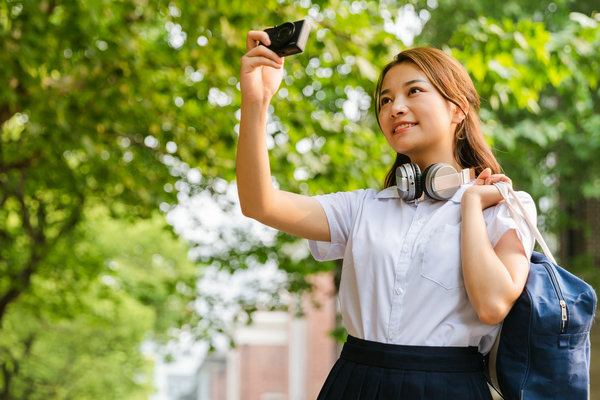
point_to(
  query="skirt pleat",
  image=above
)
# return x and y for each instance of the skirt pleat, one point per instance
(414, 385)
(332, 379)
(357, 383)
(436, 387)
(391, 384)
(370, 389)
(369, 371)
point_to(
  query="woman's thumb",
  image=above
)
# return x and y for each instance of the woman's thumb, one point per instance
(486, 173)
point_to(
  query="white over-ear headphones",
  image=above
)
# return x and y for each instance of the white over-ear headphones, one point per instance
(439, 181)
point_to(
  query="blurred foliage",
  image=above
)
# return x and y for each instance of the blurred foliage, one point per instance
(541, 105)
(112, 110)
(106, 287)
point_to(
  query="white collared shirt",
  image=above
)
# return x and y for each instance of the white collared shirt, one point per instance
(402, 279)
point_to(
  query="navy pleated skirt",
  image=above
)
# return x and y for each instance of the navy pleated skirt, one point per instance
(369, 370)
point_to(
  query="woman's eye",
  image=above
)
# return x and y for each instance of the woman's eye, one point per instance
(385, 100)
(414, 90)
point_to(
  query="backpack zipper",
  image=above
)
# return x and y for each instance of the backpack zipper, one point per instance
(564, 315)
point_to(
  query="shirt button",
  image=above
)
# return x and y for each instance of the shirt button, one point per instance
(398, 291)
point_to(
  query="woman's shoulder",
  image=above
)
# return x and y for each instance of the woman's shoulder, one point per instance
(500, 209)
(354, 194)
(525, 198)
(353, 199)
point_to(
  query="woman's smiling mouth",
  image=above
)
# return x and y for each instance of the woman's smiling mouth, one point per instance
(402, 126)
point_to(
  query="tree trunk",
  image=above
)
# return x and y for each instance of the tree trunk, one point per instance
(582, 236)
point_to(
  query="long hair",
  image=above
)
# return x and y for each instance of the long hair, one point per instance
(452, 81)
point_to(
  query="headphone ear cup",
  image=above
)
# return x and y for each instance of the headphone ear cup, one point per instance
(408, 181)
(418, 182)
(441, 171)
(428, 175)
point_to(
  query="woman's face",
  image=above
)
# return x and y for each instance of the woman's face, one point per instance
(415, 119)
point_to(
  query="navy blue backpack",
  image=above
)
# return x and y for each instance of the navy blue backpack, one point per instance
(543, 350)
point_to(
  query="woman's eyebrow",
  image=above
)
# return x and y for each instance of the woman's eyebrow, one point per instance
(414, 81)
(384, 91)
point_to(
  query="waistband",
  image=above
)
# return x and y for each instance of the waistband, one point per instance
(419, 358)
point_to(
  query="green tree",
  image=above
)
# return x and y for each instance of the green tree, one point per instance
(77, 333)
(134, 104)
(541, 110)
(533, 64)
(77, 125)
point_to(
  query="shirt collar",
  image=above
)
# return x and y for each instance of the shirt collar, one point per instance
(388, 193)
(392, 193)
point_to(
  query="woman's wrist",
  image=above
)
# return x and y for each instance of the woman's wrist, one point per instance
(481, 196)
(255, 103)
(253, 110)
(471, 198)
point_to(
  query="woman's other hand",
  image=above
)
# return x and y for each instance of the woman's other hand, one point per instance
(483, 191)
(261, 71)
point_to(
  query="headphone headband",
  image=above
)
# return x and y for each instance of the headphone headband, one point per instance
(439, 181)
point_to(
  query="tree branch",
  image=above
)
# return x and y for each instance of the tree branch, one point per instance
(40, 245)
(7, 377)
(22, 164)
(20, 194)
(5, 114)
(20, 283)
(7, 373)
(30, 387)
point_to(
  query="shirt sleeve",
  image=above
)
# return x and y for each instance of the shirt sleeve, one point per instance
(499, 221)
(340, 209)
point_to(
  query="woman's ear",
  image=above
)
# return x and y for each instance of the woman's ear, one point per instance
(460, 113)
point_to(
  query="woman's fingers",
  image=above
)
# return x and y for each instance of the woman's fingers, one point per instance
(263, 62)
(254, 37)
(265, 52)
(257, 55)
(487, 178)
(483, 176)
(498, 178)
(261, 69)
(261, 56)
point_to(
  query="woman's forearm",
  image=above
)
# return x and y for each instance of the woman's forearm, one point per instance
(490, 286)
(296, 214)
(253, 171)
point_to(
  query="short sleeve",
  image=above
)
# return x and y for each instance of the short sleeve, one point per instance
(499, 221)
(340, 209)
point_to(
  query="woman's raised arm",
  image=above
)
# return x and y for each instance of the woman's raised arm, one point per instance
(260, 76)
(494, 276)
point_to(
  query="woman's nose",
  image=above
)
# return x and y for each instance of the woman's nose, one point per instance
(398, 108)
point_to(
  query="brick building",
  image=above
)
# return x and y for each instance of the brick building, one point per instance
(279, 356)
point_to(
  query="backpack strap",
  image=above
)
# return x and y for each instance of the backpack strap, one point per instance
(519, 215)
(492, 373)
(510, 199)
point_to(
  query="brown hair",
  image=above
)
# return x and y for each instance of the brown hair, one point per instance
(452, 81)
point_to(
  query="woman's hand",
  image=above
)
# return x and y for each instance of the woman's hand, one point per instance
(261, 71)
(483, 191)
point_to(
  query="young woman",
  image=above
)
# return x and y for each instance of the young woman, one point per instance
(426, 278)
